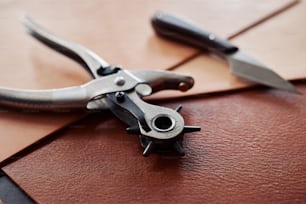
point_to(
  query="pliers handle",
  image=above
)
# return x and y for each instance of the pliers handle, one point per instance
(113, 88)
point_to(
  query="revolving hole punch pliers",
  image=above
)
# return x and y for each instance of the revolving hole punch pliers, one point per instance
(160, 129)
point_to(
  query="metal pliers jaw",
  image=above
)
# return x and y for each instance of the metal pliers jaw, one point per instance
(160, 129)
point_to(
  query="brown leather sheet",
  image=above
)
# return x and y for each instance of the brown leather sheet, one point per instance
(117, 30)
(252, 149)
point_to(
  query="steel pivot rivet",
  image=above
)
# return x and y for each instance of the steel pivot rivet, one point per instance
(119, 81)
(212, 36)
(120, 96)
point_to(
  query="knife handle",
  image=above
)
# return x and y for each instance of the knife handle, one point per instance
(175, 28)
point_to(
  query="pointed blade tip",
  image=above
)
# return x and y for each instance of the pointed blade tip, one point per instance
(244, 66)
(284, 84)
(287, 86)
(295, 91)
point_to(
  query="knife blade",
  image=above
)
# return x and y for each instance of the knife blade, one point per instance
(241, 64)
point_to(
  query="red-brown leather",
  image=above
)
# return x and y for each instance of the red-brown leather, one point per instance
(252, 149)
(119, 31)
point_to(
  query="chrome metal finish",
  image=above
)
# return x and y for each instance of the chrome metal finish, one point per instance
(116, 89)
(244, 66)
(119, 81)
(90, 60)
(152, 112)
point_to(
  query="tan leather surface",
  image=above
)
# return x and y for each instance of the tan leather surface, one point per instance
(284, 40)
(119, 31)
(279, 43)
(252, 149)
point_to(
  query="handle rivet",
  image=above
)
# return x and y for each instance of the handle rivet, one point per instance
(183, 86)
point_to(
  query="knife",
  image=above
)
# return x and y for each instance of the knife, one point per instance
(242, 65)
